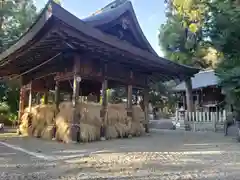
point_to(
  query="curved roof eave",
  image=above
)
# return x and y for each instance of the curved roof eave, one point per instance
(72, 21)
(112, 14)
(200, 80)
(90, 31)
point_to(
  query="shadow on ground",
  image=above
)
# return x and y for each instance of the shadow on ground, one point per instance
(164, 155)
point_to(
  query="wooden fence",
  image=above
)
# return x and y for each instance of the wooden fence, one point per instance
(202, 120)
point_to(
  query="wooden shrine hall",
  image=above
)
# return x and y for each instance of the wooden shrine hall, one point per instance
(105, 50)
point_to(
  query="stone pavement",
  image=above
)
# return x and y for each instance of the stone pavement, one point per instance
(163, 155)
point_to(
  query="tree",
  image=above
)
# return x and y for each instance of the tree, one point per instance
(58, 1)
(181, 37)
(223, 31)
(15, 18)
(161, 95)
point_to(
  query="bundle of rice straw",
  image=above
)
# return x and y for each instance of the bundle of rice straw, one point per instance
(43, 117)
(118, 118)
(122, 125)
(138, 114)
(47, 132)
(90, 113)
(89, 133)
(137, 128)
(63, 122)
(111, 120)
(23, 127)
(89, 121)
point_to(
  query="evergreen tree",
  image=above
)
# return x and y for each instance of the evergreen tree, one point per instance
(223, 31)
(15, 18)
(181, 37)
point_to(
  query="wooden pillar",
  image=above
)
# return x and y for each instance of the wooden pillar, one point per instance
(57, 95)
(129, 96)
(38, 98)
(45, 97)
(75, 129)
(184, 100)
(146, 106)
(30, 97)
(21, 103)
(104, 103)
(189, 95)
(57, 102)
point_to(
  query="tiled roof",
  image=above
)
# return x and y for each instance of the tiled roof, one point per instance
(200, 80)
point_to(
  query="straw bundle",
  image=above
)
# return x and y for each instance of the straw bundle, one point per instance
(47, 132)
(137, 128)
(43, 116)
(23, 127)
(119, 119)
(89, 133)
(63, 127)
(138, 114)
(88, 120)
(90, 113)
(110, 131)
(40, 117)
(117, 123)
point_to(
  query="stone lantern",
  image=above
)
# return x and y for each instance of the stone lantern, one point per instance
(182, 118)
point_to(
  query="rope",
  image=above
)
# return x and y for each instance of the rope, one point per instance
(36, 67)
(70, 84)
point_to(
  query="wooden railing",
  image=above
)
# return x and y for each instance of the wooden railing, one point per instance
(194, 119)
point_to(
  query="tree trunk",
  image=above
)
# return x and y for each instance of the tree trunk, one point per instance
(189, 95)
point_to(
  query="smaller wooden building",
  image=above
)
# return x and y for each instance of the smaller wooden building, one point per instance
(206, 94)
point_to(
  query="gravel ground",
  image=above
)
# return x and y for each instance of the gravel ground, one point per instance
(163, 155)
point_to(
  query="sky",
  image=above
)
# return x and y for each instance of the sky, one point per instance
(150, 14)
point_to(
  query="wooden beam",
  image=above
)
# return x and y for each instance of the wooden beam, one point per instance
(129, 95)
(146, 109)
(21, 104)
(75, 129)
(57, 95)
(30, 97)
(104, 101)
(63, 76)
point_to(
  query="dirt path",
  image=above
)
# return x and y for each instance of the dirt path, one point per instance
(163, 155)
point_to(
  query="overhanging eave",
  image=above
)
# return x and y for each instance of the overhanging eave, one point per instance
(65, 20)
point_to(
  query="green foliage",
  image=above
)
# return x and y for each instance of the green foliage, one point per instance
(181, 37)
(161, 95)
(223, 29)
(15, 19)
(117, 95)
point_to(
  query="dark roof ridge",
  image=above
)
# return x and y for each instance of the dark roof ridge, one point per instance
(114, 13)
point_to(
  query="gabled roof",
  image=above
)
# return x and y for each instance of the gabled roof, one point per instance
(119, 16)
(200, 80)
(56, 30)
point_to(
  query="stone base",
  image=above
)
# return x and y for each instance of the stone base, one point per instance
(71, 142)
(180, 125)
(103, 139)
